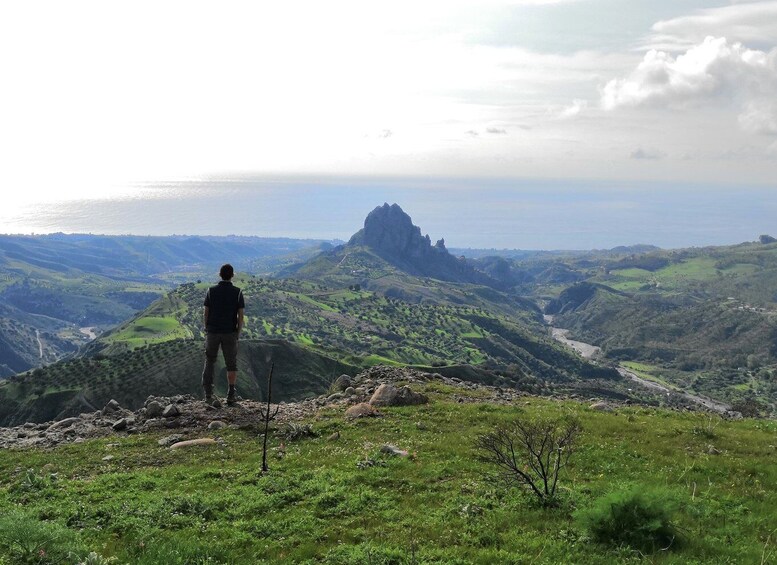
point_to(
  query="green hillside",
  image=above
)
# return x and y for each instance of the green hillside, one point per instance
(705, 319)
(57, 290)
(344, 501)
(160, 348)
(168, 368)
(445, 324)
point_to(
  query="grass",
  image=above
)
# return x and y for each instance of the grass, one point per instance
(647, 372)
(150, 329)
(317, 505)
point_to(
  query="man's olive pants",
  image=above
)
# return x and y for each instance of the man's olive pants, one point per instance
(228, 344)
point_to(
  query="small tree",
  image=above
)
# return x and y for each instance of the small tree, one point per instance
(531, 453)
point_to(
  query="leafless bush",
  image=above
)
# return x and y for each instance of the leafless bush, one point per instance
(531, 453)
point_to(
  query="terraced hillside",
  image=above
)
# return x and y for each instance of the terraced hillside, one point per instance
(68, 388)
(368, 327)
(57, 291)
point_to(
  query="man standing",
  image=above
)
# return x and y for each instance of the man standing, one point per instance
(224, 306)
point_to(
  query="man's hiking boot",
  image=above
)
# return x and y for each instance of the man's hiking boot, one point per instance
(231, 396)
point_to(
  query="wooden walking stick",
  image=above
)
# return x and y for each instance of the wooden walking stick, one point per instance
(267, 415)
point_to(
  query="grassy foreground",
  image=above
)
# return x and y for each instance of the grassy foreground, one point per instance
(343, 501)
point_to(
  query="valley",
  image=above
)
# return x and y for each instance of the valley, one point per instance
(698, 323)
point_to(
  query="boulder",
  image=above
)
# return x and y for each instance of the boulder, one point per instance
(66, 423)
(171, 411)
(120, 425)
(361, 410)
(341, 383)
(154, 409)
(389, 395)
(216, 425)
(111, 407)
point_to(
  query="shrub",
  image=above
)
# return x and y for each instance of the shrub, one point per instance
(531, 453)
(638, 518)
(24, 539)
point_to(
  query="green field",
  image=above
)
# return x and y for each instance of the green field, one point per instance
(319, 504)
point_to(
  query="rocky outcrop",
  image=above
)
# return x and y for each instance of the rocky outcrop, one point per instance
(391, 234)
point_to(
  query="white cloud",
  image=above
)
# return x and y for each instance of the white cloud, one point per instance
(574, 109)
(752, 23)
(759, 116)
(713, 70)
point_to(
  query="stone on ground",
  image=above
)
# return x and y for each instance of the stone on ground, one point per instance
(194, 442)
(388, 395)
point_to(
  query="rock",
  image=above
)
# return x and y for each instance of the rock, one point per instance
(601, 407)
(712, 450)
(120, 425)
(108, 458)
(194, 442)
(389, 395)
(341, 383)
(154, 409)
(350, 391)
(393, 450)
(111, 407)
(169, 440)
(171, 411)
(335, 396)
(216, 425)
(66, 423)
(361, 410)
(334, 437)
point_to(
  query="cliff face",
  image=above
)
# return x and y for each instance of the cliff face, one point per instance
(390, 233)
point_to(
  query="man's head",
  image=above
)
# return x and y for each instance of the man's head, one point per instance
(226, 272)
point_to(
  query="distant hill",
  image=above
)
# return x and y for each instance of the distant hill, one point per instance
(141, 256)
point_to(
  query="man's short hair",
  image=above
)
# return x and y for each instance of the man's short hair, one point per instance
(226, 272)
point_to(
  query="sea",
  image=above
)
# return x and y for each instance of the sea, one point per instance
(482, 213)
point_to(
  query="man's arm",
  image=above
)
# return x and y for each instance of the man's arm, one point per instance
(240, 320)
(205, 317)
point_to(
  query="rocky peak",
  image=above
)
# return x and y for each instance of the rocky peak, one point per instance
(390, 233)
(390, 230)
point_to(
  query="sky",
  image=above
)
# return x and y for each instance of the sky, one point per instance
(99, 98)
